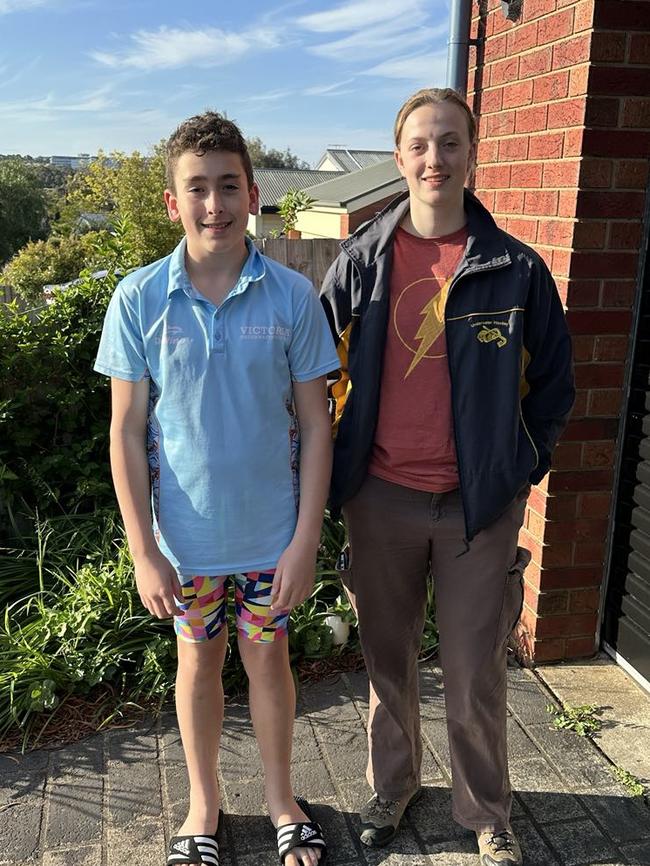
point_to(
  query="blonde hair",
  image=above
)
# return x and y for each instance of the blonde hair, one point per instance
(433, 96)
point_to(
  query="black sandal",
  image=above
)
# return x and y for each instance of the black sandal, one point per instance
(202, 848)
(301, 834)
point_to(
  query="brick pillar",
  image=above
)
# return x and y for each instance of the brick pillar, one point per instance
(564, 127)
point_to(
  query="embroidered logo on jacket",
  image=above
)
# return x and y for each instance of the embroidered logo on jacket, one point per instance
(490, 335)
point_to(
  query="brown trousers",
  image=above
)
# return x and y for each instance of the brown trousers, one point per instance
(399, 538)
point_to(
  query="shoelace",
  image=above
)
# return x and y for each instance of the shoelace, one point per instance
(501, 842)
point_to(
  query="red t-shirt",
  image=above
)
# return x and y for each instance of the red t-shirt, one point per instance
(414, 442)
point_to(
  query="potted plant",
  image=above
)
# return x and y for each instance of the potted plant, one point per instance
(289, 206)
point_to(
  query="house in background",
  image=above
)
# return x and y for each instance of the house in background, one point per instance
(363, 182)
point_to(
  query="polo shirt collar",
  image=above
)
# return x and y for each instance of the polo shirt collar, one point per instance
(253, 270)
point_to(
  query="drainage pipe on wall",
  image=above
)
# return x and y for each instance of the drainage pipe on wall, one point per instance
(460, 13)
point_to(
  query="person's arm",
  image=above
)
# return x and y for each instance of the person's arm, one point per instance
(155, 576)
(295, 572)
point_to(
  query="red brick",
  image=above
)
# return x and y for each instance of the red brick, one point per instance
(579, 406)
(639, 48)
(602, 111)
(532, 544)
(546, 146)
(589, 235)
(555, 27)
(502, 123)
(584, 293)
(575, 530)
(491, 100)
(611, 348)
(616, 142)
(618, 293)
(605, 402)
(548, 650)
(570, 625)
(608, 47)
(535, 524)
(581, 647)
(524, 229)
(579, 80)
(488, 151)
(563, 507)
(608, 15)
(571, 52)
(598, 454)
(583, 350)
(555, 233)
(538, 8)
(522, 38)
(487, 198)
(518, 94)
(536, 63)
(561, 263)
(528, 175)
(616, 205)
(567, 455)
(598, 265)
(549, 87)
(570, 577)
(589, 552)
(581, 480)
(494, 48)
(636, 112)
(558, 553)
(511, 149)
(499, 23)
(537, 500)
(584, 16)
(567, 112)
(529, 119)
(618, 80)
(587, 429)
(547, 255)
(573, 142)
(561, 173)
(596, 173)
(509, 201)
(493, 176)
(541, 202)
(631, 173)
(599, 376)
(504, 71)
(584, 601)
(595, 505)
(550, 603)
(624, 236)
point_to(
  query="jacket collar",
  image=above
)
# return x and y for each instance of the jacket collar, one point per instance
(485, 243)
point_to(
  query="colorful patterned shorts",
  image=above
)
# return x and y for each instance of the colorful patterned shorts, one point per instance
(204, 601)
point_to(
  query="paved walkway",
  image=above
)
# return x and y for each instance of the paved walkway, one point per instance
(115, 798)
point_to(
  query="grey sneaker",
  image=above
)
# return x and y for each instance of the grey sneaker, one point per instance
(496, 848)
(380, 818)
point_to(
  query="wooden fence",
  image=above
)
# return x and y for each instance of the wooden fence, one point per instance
(310, 257)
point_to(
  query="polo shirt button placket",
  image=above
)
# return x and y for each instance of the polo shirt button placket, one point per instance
(218, 344)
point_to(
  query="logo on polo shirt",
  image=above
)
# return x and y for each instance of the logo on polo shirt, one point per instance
(172, 335)
(264, 332)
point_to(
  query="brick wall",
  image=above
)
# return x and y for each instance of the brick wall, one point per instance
(563, 102)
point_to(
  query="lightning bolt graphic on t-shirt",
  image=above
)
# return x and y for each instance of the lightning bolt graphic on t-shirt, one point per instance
(432, 325)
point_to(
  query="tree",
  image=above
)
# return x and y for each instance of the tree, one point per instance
(128, 187)
(23, 207)
(263, 157)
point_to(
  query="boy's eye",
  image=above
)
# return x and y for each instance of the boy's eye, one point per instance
(231, 187)
(195, 189)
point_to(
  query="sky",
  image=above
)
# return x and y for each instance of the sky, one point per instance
(80, 75)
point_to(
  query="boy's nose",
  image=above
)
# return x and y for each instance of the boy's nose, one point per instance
(213, 203)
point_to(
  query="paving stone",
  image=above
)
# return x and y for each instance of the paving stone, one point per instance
(13, 789)
(305, 747)
(431, 817)
(140, 841)
(625, 819)
(74, 811)
(328, 702)
(84, 759)
(85, 856)
(461, 852)
(526, 699)
(346, 752)
(580, 842)
(239, 756)
(434, 732)
(133, 789)
(343, 846)
(176, 783)
(637, 855)
(535, 774)
(251, 833)
(20, 826)
(135, 745)
(17, 764)
(520, 746)
(546, 806)
(535, 850)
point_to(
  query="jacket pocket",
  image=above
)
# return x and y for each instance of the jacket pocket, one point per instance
(513, 596)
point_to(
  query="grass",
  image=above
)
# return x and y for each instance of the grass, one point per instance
(629, 781)
(581, 720)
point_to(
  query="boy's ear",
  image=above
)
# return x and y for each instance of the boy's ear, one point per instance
(172, 206)
(253, 199)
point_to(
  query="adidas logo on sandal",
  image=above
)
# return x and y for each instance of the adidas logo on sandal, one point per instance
(183, 847)
(307, 833)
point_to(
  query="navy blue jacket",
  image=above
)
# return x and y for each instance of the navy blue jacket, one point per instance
(508, 349)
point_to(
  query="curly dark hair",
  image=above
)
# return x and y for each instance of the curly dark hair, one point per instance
(204, 133)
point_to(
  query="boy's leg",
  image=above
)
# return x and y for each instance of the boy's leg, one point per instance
(202, 643)
(264, 651)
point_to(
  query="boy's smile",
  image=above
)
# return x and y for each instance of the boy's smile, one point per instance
(212, 200)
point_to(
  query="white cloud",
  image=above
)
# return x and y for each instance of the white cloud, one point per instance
(8, 6)
(331, 89)
(170, 48)
(373, 42)
(359, 14)
(271, 96)
(94, 101)
(428, 69)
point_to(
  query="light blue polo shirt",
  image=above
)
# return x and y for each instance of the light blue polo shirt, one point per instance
(222, 434)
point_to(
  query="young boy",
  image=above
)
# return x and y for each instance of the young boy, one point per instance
(456, 386)
(217, 358)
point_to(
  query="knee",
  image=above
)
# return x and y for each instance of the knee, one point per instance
(264, 661)
(201, 662)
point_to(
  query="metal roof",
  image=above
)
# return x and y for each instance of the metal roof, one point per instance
(353, 160)
(383, 177)
(273, 183)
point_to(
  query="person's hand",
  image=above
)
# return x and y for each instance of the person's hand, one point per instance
(157, 584)
(294, 576)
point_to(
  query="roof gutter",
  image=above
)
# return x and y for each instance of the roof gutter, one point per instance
(460, 14)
